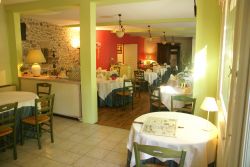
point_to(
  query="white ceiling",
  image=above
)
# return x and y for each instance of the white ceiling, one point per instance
(161, 15)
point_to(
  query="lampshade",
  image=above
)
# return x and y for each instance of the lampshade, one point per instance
(209, 104)
(119, 33)
(35, 56)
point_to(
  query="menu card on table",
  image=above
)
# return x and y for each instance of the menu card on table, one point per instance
(159, 126)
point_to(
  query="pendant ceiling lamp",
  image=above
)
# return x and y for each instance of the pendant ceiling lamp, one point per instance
(149, 33)
(164, 39)
(121, 31)
(172, 42)
(195, 8)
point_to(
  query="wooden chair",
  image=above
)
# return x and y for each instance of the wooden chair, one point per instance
(139, 81)
(43, 89)
(43, 117)
(8, 127)
(127, 92)
(155, 100)
(157, 151)
(189, 104)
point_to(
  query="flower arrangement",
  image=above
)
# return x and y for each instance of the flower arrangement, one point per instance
(185, 78)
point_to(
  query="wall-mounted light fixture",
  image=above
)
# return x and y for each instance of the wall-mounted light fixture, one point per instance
(75, 37)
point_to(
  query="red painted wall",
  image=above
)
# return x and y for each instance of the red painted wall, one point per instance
(106, 49)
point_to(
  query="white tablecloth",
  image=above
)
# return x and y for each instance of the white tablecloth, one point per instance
(150, 77)
(160, 70)
(167, 92)
(23, 98)
(105, 87)
(200, 144)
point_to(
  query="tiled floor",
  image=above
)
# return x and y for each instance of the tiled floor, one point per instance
(76, 144)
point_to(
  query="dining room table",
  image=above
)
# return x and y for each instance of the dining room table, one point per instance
(193, 134)
(160, 70)
(151, 77)
(167, 91)
(106, 89)
(26, 104)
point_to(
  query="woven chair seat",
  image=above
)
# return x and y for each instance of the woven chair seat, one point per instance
(125, 93)
(153, 165)
(156, 104)
(32, 120)
(5, 131)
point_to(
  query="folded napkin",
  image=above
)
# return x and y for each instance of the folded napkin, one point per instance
(99, 69)
(124, 76)
(172, 77)
(119, 79)
(100, 76)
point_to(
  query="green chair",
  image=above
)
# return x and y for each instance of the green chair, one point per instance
(127, 92)
(43, 89)
(139, 81)
(158, 152)
(42, 119)
(189, 104)
(155, 100)
(8, 127)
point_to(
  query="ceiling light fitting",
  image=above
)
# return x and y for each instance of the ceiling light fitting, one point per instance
(195, 8)
(172, 42)
(120, 33)
(164, 39)
(149, 33)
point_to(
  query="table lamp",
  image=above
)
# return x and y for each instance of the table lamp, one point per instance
(35, 57)
(209, 104)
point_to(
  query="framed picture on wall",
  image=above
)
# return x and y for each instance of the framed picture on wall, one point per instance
(119, 48)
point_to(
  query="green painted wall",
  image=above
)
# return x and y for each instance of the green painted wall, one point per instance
(206, 59)
(5, 68)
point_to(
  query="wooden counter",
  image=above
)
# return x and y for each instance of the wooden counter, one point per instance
(67, 94)
(50, 79)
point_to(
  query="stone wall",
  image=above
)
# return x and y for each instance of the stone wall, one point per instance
(50, 38)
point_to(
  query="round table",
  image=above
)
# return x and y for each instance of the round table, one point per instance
(150, 76)
(194, 134)
(168, 91)
(23, 98)
(105, 87)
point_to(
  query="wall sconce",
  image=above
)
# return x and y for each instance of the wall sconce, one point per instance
(75, 42)
(75, 37)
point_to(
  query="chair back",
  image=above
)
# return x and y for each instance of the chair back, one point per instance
(43, 89)
(128, 87)
(47, 108)
(157, 151)
(154, 95)
(139, 75)
(188, 101)
(8, 116)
